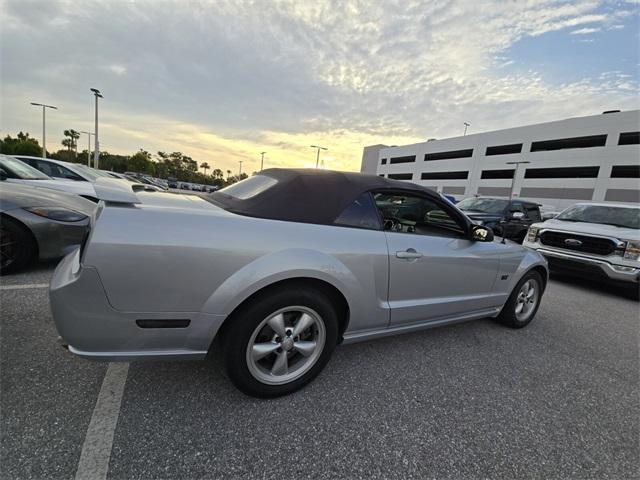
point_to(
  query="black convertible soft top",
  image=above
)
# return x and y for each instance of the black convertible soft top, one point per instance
(309, 195)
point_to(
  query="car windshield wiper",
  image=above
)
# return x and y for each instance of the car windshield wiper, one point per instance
(473, 210)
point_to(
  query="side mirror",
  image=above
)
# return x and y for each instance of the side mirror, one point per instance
(480, 233)
(517, 215)
(3, 174)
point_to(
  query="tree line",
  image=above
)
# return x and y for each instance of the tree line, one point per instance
(161, 165)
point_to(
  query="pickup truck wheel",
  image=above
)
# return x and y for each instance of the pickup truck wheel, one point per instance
(280, 342)
(17, 248)
(523, 302)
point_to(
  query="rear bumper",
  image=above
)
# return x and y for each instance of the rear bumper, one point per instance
(582, 265)
(93, 329)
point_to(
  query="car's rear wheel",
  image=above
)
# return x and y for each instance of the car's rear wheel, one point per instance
(279, 342)
(17, 248)
(523, 302)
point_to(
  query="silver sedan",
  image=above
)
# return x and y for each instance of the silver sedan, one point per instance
(39, 223)
(275, 271)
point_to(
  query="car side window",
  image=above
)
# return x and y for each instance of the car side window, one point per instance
(361, 213)
(533, 212)
(516, 207)
(57, 171)
(408, 213)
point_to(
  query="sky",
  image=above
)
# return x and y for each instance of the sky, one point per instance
(222, 81)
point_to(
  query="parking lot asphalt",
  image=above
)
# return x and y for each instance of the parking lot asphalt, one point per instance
(558, 399)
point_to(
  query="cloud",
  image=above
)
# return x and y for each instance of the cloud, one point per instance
(585, 31)
(223, 80)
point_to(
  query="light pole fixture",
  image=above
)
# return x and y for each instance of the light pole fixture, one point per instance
(466, 125)
(44, 133)
(240, 169)
(88, 146)
(262, 160)
(515, 172)
(318, 154)
(96, 146)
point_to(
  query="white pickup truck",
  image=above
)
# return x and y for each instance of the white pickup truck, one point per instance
(597, 240)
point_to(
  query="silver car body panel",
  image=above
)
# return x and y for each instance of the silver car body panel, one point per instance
(179, 257)
(53, 238)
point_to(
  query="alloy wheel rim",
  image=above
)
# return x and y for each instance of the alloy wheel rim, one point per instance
(526, 300)
(285, 345)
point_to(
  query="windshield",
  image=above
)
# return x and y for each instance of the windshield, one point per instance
(17, 169)
(627, 217)
(249, 187)
(87, 172)
(484, 205)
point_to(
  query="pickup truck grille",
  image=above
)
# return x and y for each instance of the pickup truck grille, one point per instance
(578, 243)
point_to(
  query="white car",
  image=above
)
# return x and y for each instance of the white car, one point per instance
(597, 240)
(63, 170)
(16, 171)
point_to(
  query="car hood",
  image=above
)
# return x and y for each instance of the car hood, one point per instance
(68, 186)
(597, 229)
(14, 196)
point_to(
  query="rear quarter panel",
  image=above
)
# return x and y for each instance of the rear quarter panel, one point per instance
(179, 260)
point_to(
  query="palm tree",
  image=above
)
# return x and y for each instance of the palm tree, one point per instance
(72, 142)
(217, 173)
(228, 174)
(205, 166)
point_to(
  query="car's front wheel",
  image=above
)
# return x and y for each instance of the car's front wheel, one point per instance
(17, 248)
(280, 342)
(523, 302)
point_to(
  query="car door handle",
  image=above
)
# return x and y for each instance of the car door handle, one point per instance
(408, 254)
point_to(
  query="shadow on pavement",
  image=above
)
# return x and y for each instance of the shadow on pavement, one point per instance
(619, 289)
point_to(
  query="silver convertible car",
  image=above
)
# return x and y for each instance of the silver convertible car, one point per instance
(273, 272)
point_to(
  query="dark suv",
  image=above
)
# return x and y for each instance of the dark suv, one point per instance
(508, 219)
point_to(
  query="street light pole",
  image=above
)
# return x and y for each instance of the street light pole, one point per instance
(96, 146)
(44, 129)
(466, 124)
(88, 147)
(262, 160)
(513, 179)
(318, 153)
(240, 169)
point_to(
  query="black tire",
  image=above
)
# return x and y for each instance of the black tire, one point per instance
(244, 322)
(521, 236)
(508, 316)
(17, 248)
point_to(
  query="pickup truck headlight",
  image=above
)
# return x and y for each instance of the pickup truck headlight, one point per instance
(57, 213)
(632, 250)
(532, 234)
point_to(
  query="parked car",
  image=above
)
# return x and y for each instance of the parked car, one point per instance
(39, 223)
(172, 182)
(276, 270)
(61, 170)
(510, 219)
(13, 170)
(594, 240)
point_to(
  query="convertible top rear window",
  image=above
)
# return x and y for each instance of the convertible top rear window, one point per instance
(249, 187)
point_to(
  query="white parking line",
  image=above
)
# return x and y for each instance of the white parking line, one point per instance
(96, 450)
(23, 287)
